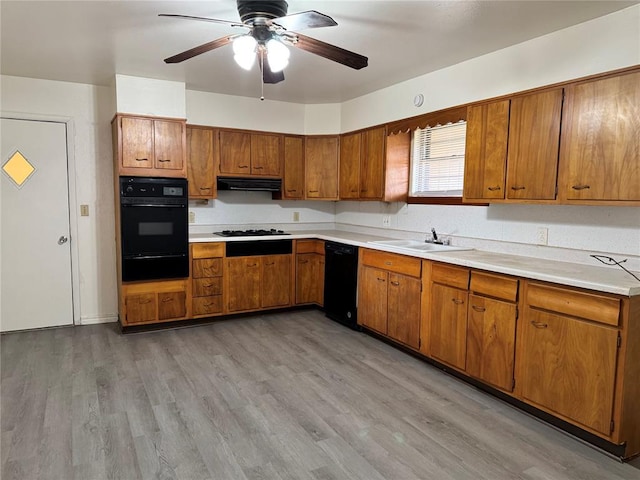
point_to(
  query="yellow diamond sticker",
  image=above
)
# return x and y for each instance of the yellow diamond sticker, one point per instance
(18, 168)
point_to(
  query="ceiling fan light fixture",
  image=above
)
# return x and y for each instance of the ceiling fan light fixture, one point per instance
(244, 48)
(278, 55)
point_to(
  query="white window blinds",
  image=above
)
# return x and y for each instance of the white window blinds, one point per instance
(437, 161)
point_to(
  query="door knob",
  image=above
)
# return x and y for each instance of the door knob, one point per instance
(62, 240)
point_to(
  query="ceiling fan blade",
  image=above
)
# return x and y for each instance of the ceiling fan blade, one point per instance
(192, 52)
(326, 50)
(302, 20)
(204, 19)
(267, 75)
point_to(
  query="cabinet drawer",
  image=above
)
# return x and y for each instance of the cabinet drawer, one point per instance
(497, 286)
(204, 287)
(392, 262)
(172, 305)
(207, 305)
(207, 267)
(207, 250)
(140, 308)
(570, 302)
(457, 277)
(310, 246)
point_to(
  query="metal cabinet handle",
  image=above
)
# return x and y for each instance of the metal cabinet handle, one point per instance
(313, 191)
(478, 309)
(395, 284)
(493, 189)
(164, 160)
(143, 302)
(517, 188)
(364, 190)
(291, 190)
(205, 188)
(388, 263)
(62, 240)
(580, 187)
(269, 264)
(258, 167)
(252, 265)
(142, 159)
(354, 191)
(167, 299)
(243, 166)
(381, 279)
(539, 324)
(457, 302)
(208, 285)
(303, 261)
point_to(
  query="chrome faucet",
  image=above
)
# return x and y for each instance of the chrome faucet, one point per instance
(435, 239)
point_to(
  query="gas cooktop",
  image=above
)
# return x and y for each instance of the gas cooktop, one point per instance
(250, 233)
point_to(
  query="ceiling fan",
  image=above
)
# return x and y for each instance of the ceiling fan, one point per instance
(270, 30)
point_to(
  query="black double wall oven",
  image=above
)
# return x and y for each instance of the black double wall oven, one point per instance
(153, 228)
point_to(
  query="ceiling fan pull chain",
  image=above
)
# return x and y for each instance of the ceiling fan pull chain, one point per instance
(261, 76)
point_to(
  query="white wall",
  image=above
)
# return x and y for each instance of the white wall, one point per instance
(599, 45)
(90, 110)
(146, 96)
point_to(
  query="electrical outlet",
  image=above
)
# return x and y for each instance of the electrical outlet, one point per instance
(296, 216)
(386, 221)
(542, 237)
(192, 217)
(84, 210)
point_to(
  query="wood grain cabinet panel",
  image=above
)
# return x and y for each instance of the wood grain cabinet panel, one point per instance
(448, 326)
(372, 299)
(403, 308)
(491, 332)
(350, 152)
(569, 367)
(243, 275)
(152, 302)
(372, 164)
(148, 146)
(203, 287)
(321, 167)
(309, 272)
(534, 140)
(207, 267)
(265, 154)
(207, 285)
(140, 308)
(293, 167)
(201, 166)
(485, 162)
(172, 305)
(235, 152)
(600, 151)
(276, 281)
(207, 306)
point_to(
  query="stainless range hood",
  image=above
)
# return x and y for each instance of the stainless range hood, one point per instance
(250, 184)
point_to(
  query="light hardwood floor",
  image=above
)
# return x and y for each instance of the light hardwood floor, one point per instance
(282, 396)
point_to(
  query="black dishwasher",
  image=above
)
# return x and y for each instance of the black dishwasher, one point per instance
(340, 283)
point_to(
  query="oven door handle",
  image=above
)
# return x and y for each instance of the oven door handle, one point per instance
(148, 257)
(172, 205)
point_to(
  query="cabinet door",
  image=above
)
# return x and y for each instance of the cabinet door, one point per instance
(293, 167)
(491, 333)
(568, 366)
(321, 168)
(485, 161)
(137, 142)
(372, 299)
(350, 149)
(404, 309)
(372, 163)
(172, 305)
(448, 334)
(235, 152)
(309, 278)
(601, 140)
(265, 154)
(244, 283)
(200, 166)
(534, 139)
(276, 281)
(140, 308)
(169, 139)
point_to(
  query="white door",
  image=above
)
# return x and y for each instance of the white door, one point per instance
(36, 254)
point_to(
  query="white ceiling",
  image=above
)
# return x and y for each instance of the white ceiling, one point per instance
(90, 41)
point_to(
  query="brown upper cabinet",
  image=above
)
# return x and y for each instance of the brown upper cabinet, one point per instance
(321, 167)
(250, 153)
(600, 142)
(148, 146)
(201, 162)
(534, 140)
(374, 166)
(485, 161)
(293, 147)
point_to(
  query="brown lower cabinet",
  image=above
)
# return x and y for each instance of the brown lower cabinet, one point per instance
(207, 275)
(389, 295)
(152, 302)
(309, 272)
(255, 282)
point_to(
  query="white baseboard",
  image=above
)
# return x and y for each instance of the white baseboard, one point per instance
(92, 320)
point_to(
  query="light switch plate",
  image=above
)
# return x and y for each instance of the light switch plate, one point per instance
(84, 210)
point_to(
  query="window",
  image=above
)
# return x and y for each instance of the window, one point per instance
(437, 161)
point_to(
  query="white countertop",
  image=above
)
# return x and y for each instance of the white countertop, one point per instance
(602, 279)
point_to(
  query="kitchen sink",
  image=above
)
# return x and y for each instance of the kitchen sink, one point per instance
(418, 246)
